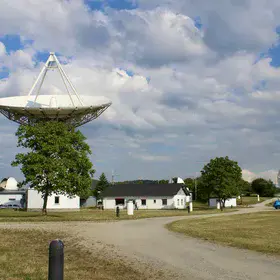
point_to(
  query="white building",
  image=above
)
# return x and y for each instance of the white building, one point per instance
(13, 197)
(35, 201)
(147, 196)
(230, 202)
(10, 195)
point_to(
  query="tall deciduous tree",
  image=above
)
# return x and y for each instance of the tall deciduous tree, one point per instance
(263, 187)
(57, 161)
(245, 188)
(222, 176)
(101, 186)
(190, 183)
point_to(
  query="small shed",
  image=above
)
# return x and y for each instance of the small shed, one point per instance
(230, 202)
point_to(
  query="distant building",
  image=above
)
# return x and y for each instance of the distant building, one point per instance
(147, 196)
(10, 195)
(34, 201)
(231, 202)
(13, 197)
(91, 200)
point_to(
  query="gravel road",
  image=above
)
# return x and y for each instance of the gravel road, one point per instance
(148, 241)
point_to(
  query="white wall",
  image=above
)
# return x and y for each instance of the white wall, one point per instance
(152, 202)
(35, 201)
(6, 198)
(181, 199)
(228, 203)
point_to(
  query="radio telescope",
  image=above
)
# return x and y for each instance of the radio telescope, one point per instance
(70, 108)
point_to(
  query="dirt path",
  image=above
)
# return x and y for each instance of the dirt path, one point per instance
(147, 240)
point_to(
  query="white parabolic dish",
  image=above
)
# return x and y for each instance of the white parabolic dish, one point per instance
(71, 108)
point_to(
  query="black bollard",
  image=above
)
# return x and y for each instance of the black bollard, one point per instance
(56, 260)
(118, 211)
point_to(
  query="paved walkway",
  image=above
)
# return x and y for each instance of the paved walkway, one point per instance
(147, 240)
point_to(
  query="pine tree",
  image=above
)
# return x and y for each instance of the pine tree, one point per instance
(101, 186)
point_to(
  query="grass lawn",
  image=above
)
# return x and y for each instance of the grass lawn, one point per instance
(248, 200)
(255, 231)
(271, 203)
(9, 215)
(24, 256)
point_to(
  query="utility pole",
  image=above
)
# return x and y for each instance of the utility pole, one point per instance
(113, 177)
(195, 188)
(112, 181)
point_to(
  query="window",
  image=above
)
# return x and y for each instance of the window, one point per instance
(155, 201)
(143, 202)
(119, 201)
(182, 203)
(56, 200)
(164, 201)
(178, 202)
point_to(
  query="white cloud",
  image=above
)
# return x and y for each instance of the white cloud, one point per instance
(151, 157)
(268, 175)
(2, 49)
(179, 93)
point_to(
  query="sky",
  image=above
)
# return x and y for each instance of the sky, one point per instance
(188, 80)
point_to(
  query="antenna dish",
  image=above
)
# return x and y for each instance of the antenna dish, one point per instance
(69, 108)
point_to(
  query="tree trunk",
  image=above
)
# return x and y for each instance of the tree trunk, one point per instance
(222, 204)
(44, 210)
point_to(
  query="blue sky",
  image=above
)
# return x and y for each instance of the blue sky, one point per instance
(118, 5)
(187, 93)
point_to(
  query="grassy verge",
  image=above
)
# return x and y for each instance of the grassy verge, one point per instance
(271, 203)
(7, 215)
(24, 256)
(255, 231)
(249, 200)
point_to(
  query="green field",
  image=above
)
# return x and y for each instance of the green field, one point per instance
(24, 256)
(255, 231)
(249, 200)
(8, 215)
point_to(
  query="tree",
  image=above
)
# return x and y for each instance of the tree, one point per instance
(57, 161)
(139, 181)
(190, 183)
(245, 188)
(101, 186)
(163, 181)
(222, 177)
(263, 187)
(203, 189)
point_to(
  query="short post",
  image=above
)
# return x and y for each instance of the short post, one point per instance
(258, 197)
(56, 260)
(191, 206)
(118, 211)
(130, 208)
